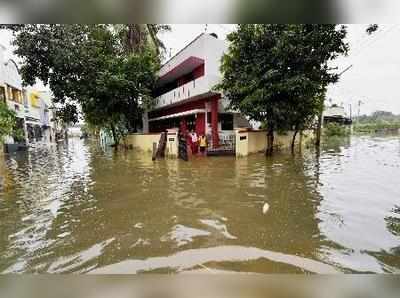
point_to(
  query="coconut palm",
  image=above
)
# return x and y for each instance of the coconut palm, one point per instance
(135, 37)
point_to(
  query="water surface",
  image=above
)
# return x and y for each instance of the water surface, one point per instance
(79, 208)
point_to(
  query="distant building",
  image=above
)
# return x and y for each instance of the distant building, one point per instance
(32, 107)
(11, 91)
(75, 130)
(185, 97)
(335, 114)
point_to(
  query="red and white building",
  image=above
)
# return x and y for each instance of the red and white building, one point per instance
(185, 97)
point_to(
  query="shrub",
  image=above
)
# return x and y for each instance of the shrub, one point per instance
(335, 130)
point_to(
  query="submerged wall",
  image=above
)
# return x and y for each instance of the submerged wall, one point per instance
(248, 142)
(144, 142)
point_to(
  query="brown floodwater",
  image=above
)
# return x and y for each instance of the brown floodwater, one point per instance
(78, 208)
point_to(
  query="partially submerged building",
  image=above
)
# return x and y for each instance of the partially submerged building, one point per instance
(185, 95)
(32, 107)
(11, 91)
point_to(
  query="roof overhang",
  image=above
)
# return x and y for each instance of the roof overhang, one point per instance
(181, 114)
(183, 68)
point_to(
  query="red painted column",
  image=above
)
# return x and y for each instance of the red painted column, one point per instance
(200, 124)
(214, 121)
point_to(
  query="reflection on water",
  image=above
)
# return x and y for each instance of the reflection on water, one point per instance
(77, 208)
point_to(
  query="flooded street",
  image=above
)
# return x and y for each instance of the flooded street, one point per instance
(78, 208)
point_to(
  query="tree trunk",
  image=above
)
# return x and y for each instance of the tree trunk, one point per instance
(294, 140)
(301, 140)
(270, 142)
(319, 129)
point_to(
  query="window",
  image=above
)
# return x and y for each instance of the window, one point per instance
(25, 99)
(226, 121)
(34, 98)
(15, 95)
(2, 94)
(9, 93)
(191, 122)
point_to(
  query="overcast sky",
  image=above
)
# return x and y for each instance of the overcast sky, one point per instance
(372, 79)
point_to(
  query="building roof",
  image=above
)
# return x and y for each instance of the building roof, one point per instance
(181, 50)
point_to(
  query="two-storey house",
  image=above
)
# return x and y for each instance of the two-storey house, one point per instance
(185, 95)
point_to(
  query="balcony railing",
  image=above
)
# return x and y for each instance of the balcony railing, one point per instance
(186, 91)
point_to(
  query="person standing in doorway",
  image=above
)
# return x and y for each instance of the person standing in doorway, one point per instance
(194, 143)
(203, 144)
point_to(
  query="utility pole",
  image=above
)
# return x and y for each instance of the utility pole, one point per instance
(358, 112)
(319, 124)
(351, 116)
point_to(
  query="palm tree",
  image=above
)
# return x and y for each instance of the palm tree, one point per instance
(136, 36)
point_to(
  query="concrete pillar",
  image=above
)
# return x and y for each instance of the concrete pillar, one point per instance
(214, 122)
(145, 122)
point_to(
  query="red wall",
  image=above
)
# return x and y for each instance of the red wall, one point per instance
(195, 74)
(201, 124)
(199, 104)
(198, 72)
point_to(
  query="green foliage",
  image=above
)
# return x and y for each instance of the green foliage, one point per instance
(372, 28)
(378, 121)
(67, 114)
(276, 73)
(7, 121)
(336, 130)
(87, 66)
(375, 127)
(378, 117)
(393, 222)
(18, 135)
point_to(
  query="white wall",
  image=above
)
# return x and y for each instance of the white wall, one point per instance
(334, 111)
(206, 47)
(9, 74)
(214, 51)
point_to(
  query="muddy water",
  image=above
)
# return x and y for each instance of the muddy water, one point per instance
(79, 208)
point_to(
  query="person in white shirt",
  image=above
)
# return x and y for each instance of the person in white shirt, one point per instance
(194, 142)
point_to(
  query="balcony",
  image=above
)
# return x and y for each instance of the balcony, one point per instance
(195, 88)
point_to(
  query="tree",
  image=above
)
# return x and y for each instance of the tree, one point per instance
(8, 121)
(275, 73)
(302, 116)
(136, 36)
(372, 28)
(88, 66)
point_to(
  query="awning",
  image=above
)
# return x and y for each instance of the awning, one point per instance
(177, 115)
(31, 120)
(179, 70)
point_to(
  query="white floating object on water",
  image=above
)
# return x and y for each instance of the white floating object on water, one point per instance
(265, 208)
